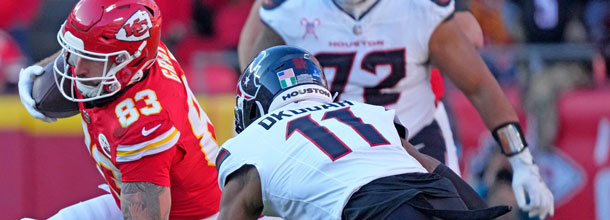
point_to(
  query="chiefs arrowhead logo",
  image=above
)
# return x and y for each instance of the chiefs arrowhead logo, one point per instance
(136, 28)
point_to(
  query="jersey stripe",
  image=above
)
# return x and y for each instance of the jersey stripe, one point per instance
(161, 143)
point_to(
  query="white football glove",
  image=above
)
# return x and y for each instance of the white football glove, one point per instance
(527, 182)
(26, 81)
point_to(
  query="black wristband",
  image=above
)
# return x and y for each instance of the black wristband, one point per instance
(510, 138)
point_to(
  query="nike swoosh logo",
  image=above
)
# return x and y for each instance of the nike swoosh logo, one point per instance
(419, 146)
(147, 132)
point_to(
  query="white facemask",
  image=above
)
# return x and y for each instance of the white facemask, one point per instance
(87, 90)
(355, 7)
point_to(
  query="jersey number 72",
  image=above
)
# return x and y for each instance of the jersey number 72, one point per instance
(343, 63)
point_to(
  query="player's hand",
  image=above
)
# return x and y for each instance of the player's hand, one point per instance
(527, 183)
(26, 81)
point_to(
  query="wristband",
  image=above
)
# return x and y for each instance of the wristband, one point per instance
(510, 138)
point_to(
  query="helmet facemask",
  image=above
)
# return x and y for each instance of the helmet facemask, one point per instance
(73, 50)
(247, 110)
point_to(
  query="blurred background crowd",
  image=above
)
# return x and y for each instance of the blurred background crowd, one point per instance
(523, 38)
(552, 58)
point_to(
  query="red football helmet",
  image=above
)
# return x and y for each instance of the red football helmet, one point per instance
(123, 34)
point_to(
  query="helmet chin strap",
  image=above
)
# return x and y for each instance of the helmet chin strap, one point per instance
(356, 7)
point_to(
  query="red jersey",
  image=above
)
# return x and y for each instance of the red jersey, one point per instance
(156, 132)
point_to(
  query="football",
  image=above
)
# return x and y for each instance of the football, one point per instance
(48, 99)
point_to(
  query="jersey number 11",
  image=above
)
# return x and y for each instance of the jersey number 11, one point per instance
(326, 140)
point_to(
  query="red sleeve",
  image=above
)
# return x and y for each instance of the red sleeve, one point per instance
(153, 168)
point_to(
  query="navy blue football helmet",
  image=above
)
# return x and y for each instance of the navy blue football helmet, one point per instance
(276, 77)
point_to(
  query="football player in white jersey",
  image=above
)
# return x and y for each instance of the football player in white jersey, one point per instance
(465, 21)
(299, 155)
(380, 52)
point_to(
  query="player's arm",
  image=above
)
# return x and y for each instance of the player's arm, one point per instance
(242, 196)
(468, 23)
(470, 27)
(145, 200)
(255, 37)
(249, 33)
(451, 52)
(455, 57)
(145, 168)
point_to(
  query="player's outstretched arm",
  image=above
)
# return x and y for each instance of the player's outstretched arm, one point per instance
(26, 82)
(255, 37)
(242, 197)
(145, 200)
(249, 33)
(455, 57)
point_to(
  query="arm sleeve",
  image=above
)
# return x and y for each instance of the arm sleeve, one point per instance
(153, 168)
(146, 152)
(146, 139)
(226, 164)
(233, 155)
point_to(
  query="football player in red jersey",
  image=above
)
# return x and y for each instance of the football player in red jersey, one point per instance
(150, 139)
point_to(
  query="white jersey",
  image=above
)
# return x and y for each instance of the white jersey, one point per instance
(311, 156)
(381, 58)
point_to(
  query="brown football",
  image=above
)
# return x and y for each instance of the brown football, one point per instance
(48, 99)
